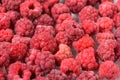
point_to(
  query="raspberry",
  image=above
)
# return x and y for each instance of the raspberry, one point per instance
(58, 9)
(106, 50)
(56, 75)
(84, 42)
(60, 27)
(75, 5)
(89, 26)
(63, 53)
(106, 0)
(12, 4)
(18, 71)
(92, 2)
(24, 27)
(117, 34)
(17, 51)
(44, 19)
(109, 70)
(116, 20)
(87, 59)
(2, 9)
(107, 9)
(4, 45)
(87, 75)
(2, 75)
(117, 52)
(30, 9)
(118, 4)
(88, 12)
(103, 36)
(6, 35)
(105, 24)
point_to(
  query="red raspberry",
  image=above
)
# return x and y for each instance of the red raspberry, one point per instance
(17, 51)
(75, 5)
(24, 27)
(118, 4)
(44, 19)
(84, 42)
(117, 34)
(2, 75)
(88, 12)
(58, 9)
(103, 36)
(109, 70)
(63, 53)
(2, 9)
(12, 4)
(106, 50)
(107, 9)
(30, 9)
(6, 35)
(89, 26)
(87, 59)
(18, 71)
(92, 2)
(106, 0)
(60, 27)
(56, 75)
(105, 24)
(87, 75)
(4, 45)
(116, 20)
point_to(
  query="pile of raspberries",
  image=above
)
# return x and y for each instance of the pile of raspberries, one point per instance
(59, 40)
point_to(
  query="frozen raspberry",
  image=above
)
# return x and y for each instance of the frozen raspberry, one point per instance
(107, 9)
(106, 50)
(4, 21)
(12, 4)
(56, 75)
(70, 67)
(44, 42)
(6, 35)
(88, 12)
(24, 27)
(106, 0)
(2, 75)
(84, 42)
(87, 75)
(75, 5)
(89, 26)
(117, 34)
(20, 39)
(58, 9)
(59, 27)
(4, 45)
(92, 2)
(44, 19)
(87, 59)
(116, 20)
(17, 51)
(109, 70)
(105, 24)
(103, 36)
(2, 9)
(30, 9)
(18, 71)
(63, 53)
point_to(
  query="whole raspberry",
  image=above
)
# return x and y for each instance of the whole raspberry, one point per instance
(18, 71)
(12, 4)
(116, 20)
(75, 5)
(106, 50)
(2, 9)
(63, 53)
(87, 59)
(84, 42)
(88, 12)
(6, 34)
(106, 0)
(24, 27)
(92, 2)
(87, 75)
(56, 75)
(107, 9)
(117, 34)
(2, 75)
(103, 36)
(105, 24)
(44, 19)
(30, 9)
(109, 70)
(89, 26)
(17, 51)
(58, 9)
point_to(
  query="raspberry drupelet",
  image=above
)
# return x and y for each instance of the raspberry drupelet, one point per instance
(84, 42)
(2, 75)
(58, 9)
(88, 13)
(116, 20)
(18, 71)
(87, 59)
(24, 27)
(75, 6)
(30, 9)
(107, 9)
(109, 70)
(6, 35)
